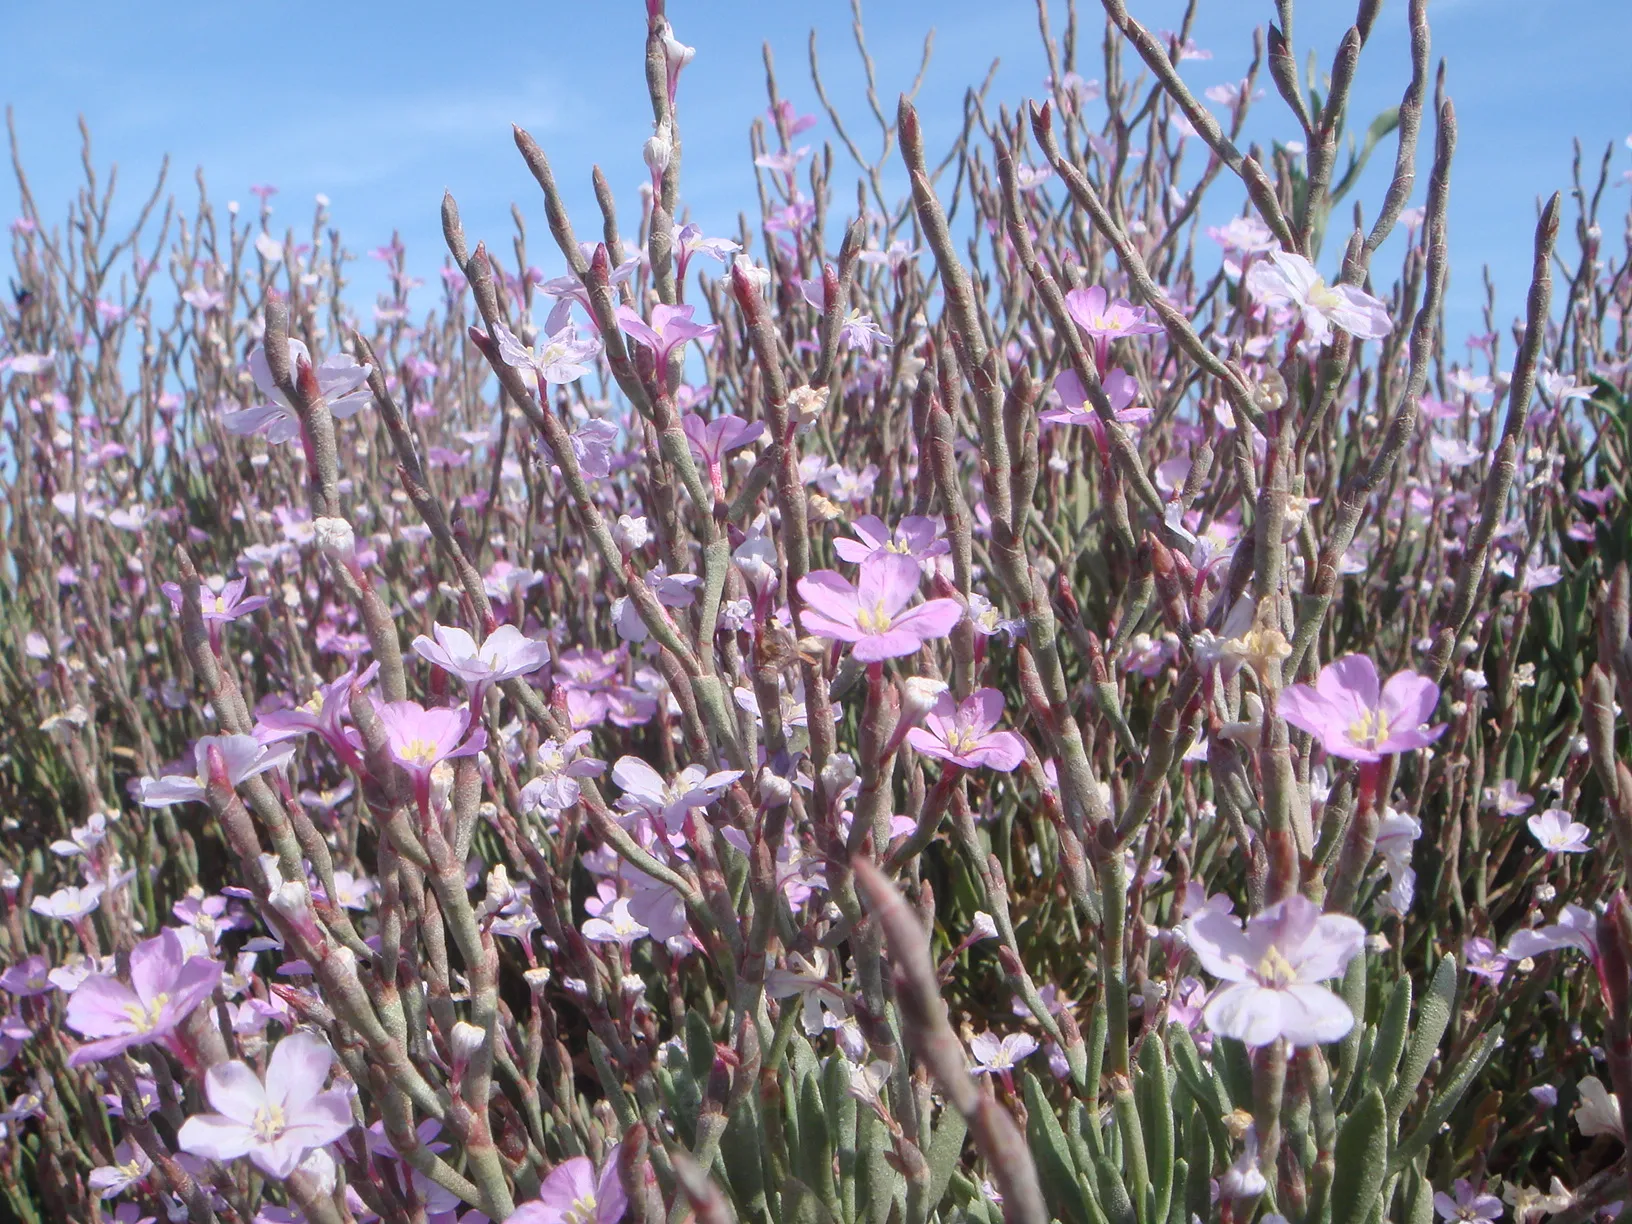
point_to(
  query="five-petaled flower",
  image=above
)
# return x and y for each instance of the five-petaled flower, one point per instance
(709, 441)
(505, 654)
(564, 356)
(1345, 710)
(1273, 969)
(244, 757)
(419, 739)
(574, 1194)
(275, 1123)
(1290, 280)
(873, 614)
(1470, 1206)
(1558, 834)
(340, 380)
(963, 735)
(671, 327)
(917, 536)
(165, 986)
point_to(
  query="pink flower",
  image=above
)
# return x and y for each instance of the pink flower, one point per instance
(323, 712)
(916, 536)
(418, 739)
(229, 605)
(1121, 388)
(1345, 711)
(562, 357)
(1558, 834)
(505, 654)
(963, 735)
(1099, 316)
(573, 1194)
(166, 985)
(873, 614)
(671, 326)
(243, 755)
(1273, 968)
(710, 440)
(340, 380)
(277, 1123)
(1290, 280)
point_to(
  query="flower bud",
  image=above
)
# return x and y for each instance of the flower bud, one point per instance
(659, 149)
(465, 1041)
(918, 697)
(336, 538)
(838, 773)
(774, 790)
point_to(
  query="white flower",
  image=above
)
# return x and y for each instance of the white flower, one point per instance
(1599, 1113)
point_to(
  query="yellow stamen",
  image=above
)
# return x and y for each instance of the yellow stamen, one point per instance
(1370, 729)
(1274, 970)
(874, 619)
(146, 1018)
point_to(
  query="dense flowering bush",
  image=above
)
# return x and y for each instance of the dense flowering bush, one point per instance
(900, 735)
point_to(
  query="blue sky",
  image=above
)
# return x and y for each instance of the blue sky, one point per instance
(382, 107)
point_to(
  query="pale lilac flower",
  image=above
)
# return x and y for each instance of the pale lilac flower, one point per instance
(324, 711)
(873, 614)
(1396, 834)
(228, 605)
(1558, 834)
(277, 1123)
(1454, 452)
(1121, 388)
(1291, 280)
(574, 1194)
(1352, 719)
(917, 536)
(27, 978)
(1599, 1112)
(503, 655)
(69, 903)
(83, 839)
(807, 980)
(615, 924)
(671, 327)
(1470, 1206)
(340, 380)
(963, 735)
(689, 241)
(1000, 1057)
(1273, 968)
(1247, 235)
(1576, 928)
(645, 790)
(1483, 959)
(165, 986)
(1507, 799)
(1101, 317)
(859, 331)
(131, 1166)
(243, 755)
(563, 356)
